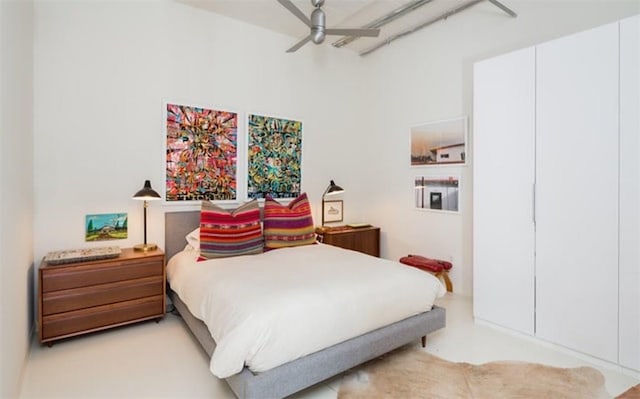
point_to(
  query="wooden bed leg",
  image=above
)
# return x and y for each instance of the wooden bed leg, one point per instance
(424, 341)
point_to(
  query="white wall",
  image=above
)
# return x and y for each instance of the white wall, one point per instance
(427, 76)
(102, 71)
(16, 196)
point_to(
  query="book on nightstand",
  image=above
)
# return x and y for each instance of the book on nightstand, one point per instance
(358, 225)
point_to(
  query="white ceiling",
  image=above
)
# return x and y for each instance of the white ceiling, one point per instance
(271, 15)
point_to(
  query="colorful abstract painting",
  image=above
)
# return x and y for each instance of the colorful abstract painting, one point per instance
(202, 151)
(274, 157)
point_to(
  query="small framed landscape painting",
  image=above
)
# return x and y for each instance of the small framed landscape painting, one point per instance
(439, 143)
(106, 226)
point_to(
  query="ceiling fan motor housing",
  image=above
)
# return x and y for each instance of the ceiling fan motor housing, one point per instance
(317, 25)
(318, 21)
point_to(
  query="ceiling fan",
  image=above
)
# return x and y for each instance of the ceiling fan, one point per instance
(317, 25)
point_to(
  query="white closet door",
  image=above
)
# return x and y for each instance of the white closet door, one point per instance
(630, 192)
(503, 137)
(577, 192)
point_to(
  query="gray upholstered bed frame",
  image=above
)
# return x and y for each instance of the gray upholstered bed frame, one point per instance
(309, 370)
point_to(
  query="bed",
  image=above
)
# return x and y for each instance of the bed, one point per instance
(298, 374)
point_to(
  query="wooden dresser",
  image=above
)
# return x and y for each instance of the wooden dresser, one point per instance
(363, 239)
(83, 297)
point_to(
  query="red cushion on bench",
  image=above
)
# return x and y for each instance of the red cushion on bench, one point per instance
(418, 261)
(445, 265)
(423, 264)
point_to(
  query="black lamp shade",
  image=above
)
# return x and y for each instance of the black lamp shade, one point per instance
(333, 189)
(146, 193)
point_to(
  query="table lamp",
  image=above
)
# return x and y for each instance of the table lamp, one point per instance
(146, 194)
(331, 190)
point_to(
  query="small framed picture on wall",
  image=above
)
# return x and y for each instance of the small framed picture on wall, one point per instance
(437, 193)
(106, 226)
(332, 211)
(439, 143)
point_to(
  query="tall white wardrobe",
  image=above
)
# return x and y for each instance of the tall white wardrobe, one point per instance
(557, 191)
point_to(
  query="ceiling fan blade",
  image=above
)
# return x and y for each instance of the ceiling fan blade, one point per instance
(299, 44)
(295, 11)
(353, 32)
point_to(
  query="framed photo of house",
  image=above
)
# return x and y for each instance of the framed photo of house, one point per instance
(437, 193)
(332, 211)
(441, 142)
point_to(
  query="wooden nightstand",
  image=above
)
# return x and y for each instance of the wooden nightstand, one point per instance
(78, 298)
(363, 239)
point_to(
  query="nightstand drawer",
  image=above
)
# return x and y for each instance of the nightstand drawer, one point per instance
(362, 239)
(92, 319)
(81, 298)
(85, 275)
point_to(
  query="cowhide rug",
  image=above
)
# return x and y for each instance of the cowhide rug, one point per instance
(410, 372)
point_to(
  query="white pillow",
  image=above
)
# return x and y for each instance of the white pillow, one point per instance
(193, 239)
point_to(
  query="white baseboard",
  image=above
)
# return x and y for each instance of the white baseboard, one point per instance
(559, 348)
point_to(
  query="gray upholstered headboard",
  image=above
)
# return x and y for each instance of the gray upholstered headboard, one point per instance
(176, 226)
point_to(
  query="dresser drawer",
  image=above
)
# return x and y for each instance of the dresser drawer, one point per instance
(85, 297)
(66, 277)
(91, 319)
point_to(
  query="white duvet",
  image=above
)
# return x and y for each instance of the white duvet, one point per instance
(266, 310)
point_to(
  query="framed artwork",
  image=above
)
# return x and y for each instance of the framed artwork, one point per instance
(105, 226)
(439, 143)
(437, 193)
(274, 157)
(332, 211)
(201, 154)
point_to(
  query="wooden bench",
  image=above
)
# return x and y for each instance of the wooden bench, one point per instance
(439, 268)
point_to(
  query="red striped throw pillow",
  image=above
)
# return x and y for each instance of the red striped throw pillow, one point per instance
(225, 233)
(288, 226)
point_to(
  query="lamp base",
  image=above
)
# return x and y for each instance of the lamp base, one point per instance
(145, 247)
